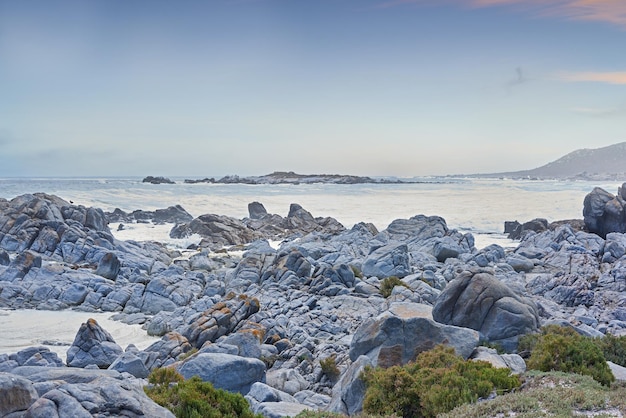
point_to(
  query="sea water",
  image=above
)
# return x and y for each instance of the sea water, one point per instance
(479, 206)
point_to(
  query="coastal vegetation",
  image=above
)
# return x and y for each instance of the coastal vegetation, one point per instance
(557, 348)
(387, 285)
(193, 398)
(438, 381)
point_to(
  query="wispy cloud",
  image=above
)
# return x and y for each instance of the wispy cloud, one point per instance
(616, 77)
(608, 11)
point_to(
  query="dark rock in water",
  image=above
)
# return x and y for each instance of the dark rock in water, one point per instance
(605, 213)
(157, 180)
(109, 266)
(536, 225)
(217, 230)
(173, 214)
(256, 210)
(478, 300)
(93, 345)
(510, 226)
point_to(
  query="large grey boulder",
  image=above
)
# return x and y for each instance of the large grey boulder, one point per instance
(108, 266)
(604, 213)
(224, 371)
(389, 260)
(129, 362)
(476, 299)
(93, 345)
(398, 335)
(16, 394)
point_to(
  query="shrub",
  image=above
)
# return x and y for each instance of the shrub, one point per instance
(329, 367)
(614, 348)
(194, 398)
(436, 382)
(562, 349)
(357, 272)
(188, 354)
(387, 285)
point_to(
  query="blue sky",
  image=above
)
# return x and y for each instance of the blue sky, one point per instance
(368, 87)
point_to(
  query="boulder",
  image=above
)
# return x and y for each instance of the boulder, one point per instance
(349, 392)
(221, 319)
(108, 266)
(130, 363)
(217, 231)
(604, 213)
(389, 260)
(536, 225)
(224, 371)
(256, 210)
(17, 394)
(476, 299)
(514, 362)
(157, 180)
(398, 335)
(93, 345)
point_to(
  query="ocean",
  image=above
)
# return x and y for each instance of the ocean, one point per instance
(479, 206)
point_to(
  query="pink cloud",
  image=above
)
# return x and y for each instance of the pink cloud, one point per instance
(599, 77)
(608, 11)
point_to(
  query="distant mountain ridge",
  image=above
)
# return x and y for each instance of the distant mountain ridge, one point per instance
(607, 163)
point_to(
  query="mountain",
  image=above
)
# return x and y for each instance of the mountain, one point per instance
(607, 163)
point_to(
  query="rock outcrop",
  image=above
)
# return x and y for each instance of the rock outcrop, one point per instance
(477, 300)
(93, 345)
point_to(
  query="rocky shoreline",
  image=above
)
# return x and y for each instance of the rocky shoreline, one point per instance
(260, 323)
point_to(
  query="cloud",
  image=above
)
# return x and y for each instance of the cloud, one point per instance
(615, 77)
(607, 11)
(595, 112)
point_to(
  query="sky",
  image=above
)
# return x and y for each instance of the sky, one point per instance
(366, 87)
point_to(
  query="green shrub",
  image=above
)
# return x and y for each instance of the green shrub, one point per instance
(194, 398)
(436, 382)
(614, 348)
(188, 354)
(329, 367)
(387, 285)
(357, 272)
(562, 349)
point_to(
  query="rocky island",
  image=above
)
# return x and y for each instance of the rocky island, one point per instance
(265, 322)
(282, 177)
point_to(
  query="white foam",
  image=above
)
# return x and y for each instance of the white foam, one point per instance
(152, 232)
(26, 328)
